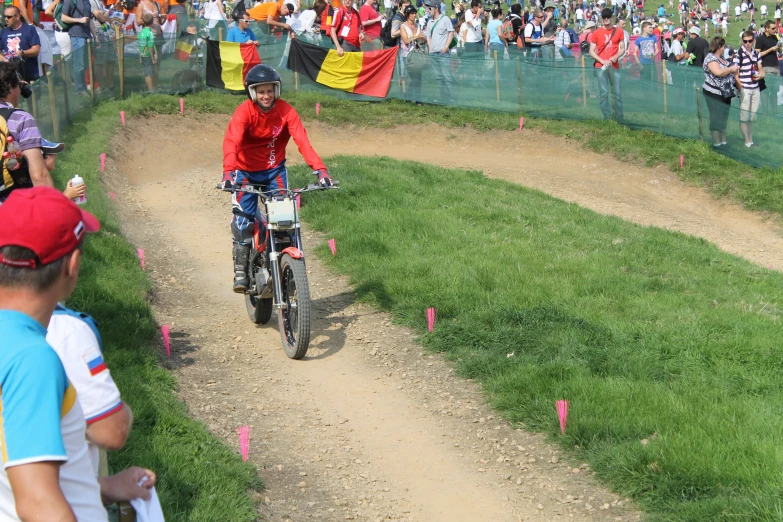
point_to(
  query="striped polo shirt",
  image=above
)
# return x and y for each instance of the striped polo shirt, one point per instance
(748, 63)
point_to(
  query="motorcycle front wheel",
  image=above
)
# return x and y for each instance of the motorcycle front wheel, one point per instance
(294, 317)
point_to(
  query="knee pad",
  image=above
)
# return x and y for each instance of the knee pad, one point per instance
(243, 237)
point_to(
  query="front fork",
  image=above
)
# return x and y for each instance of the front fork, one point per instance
(274, 266)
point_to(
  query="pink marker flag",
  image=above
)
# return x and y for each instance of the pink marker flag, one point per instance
(164, 330)
(568, 95)
(317, 109)
(122, 117)
(521, 123)
(332, 247)
(140, 253)
(562, 414)
(244, 441)
(103, 162)
(298, 201)
(182, 105)
(431, 315)
(682, 160)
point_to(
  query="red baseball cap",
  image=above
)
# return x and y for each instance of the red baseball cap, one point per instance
(45, 221)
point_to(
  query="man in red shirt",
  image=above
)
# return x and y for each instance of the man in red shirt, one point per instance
(254, 152)
(606, 47)
(371, 21)
(346, 31)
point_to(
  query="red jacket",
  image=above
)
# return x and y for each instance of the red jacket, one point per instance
(256, 140)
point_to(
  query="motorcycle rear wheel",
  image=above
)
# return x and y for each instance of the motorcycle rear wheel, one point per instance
(294, 318)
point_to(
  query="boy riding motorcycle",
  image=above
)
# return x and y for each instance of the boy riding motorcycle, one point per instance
(254, 152)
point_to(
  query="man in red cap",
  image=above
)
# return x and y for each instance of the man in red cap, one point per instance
(46, 472)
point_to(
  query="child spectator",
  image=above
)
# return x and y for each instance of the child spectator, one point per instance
(147, 53)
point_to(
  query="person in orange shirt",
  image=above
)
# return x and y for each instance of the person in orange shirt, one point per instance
(270, 12)
(26, 9)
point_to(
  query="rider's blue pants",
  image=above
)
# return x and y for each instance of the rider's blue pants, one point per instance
(245, 205)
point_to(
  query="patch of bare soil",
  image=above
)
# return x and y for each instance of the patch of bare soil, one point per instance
(368, 427)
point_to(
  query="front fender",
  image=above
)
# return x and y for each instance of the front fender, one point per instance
(293, 252)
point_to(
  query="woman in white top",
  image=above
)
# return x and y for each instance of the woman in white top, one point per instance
(305, 26)
(213, 13)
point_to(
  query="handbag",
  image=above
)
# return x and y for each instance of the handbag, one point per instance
(417, 60)
(728, 90)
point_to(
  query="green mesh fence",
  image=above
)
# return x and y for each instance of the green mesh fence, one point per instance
(658, 98)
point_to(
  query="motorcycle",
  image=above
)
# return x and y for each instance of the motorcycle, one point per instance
(276, 270)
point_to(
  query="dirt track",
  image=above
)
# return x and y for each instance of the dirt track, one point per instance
(368, 427)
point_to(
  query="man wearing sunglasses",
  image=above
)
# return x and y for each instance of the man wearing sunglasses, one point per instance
(534, 35)
(19, 42)
(607, 45)
(749, 75)
(242, 33)
(767, 47)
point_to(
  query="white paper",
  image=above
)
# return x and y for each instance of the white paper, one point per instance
(148, 510)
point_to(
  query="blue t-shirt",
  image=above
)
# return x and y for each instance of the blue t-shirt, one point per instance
(34, 393)
(646, 45)
(661, 12)
(235, 34)
(492, 29)
(16, 41)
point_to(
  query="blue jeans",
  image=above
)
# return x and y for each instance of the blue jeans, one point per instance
(441, 67)
(605, 78)
(79, 53)
(245, 205)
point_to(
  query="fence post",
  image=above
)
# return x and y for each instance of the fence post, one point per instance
(497, 77)
(296, 81)
(519, 82)
(120, 37)
(66, 102)
(89, 65)
(34, 103)
(52, 106)
(698, 108)
(220, 33)
(584, 83)
(665, 81)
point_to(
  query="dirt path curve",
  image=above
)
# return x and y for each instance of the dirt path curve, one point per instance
(368, 427)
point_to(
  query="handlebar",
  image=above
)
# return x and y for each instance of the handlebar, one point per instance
(253, 188)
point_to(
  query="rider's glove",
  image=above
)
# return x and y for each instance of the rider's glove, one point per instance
(227, 184)
(323, 179)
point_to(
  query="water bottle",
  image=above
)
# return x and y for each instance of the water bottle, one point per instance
(75, 182)
(10, 162)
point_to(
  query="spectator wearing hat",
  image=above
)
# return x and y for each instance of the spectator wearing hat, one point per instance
(439, 34)
(549, 27)
(697, 47)
(22, 127)
(677, 52)
(606, 48)
(47, 474)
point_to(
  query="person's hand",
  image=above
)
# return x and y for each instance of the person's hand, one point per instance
(286, 27)
(72, 193)
(84, 20)
(124, 486)
(340, 50)
(445, 50)
(227, 180)
(324, 179)
(361, 36)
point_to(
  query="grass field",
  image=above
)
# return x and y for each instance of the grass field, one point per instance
(666, 348)
(200, 479)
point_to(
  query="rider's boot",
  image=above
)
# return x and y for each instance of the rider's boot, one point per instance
(241, 257)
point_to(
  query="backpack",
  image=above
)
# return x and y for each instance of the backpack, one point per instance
(12, 179)
(386, 36)
(87, 319)
(507, 30)
(58, 19)
(584, 47)
(239, 9)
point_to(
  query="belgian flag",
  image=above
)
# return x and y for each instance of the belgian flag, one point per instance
(369, 73)
(182, 50)
(228, 63)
